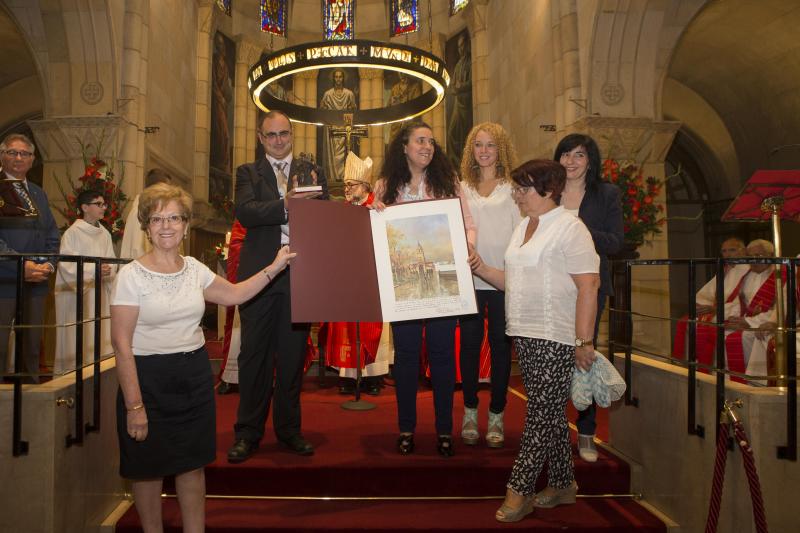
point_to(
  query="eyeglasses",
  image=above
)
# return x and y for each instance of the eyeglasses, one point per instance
(520, 190)
(24, 154)
(353, 185)
(172, 220)
(270, 136)
(98, 204)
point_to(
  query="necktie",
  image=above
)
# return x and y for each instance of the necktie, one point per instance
(22, 192)
(281, 177)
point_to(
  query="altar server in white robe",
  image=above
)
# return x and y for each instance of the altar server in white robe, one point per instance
(134, 240)
(87, 237)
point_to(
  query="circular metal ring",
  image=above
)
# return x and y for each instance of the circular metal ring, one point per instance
(343, 54)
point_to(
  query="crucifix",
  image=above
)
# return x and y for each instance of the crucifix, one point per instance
(348, 131)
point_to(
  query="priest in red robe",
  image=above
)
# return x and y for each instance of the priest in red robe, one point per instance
(706, 307)
(750, 315)
(339, 338)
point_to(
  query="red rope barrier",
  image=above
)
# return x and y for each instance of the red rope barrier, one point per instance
(719, 479)
(759, 516)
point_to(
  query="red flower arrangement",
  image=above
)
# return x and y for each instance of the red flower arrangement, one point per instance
(97, 176)
(642, 215)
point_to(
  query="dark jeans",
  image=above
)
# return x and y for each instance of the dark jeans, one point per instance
(587, 419)
(492, 302)
(440, 340)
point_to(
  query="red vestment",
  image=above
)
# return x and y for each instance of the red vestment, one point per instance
(762, 301)
(238, 233)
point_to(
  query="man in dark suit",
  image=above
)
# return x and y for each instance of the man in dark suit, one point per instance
(271, 344)
(25, 235)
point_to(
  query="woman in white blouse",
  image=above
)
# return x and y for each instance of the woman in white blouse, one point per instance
(486, 166)
(165, 408)
(551, 281)
(415, 168)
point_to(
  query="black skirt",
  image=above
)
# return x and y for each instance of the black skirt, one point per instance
(178, 396)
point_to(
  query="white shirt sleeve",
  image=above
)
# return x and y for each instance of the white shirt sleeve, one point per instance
(126, 291)
(578, 249)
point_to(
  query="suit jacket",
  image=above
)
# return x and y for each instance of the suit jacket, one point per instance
(35, 235)
(601, 211)
(259, 208)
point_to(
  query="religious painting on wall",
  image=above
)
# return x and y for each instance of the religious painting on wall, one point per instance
(458, 98)
(273, 17)
(220, 162)
(338, 18)
(457, 5)
(398, 88)
(337, 89)
(403, 17)
(225, 6)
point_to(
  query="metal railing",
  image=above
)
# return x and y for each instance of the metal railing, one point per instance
(18, 445)
(621, 317)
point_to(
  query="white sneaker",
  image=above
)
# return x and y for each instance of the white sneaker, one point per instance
(586, 448)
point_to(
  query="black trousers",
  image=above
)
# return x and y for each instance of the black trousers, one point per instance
(270, 364)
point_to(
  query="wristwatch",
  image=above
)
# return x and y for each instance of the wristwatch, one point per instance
(583, 342)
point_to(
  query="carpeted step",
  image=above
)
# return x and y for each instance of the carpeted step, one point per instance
(356, 456)
(588, 515)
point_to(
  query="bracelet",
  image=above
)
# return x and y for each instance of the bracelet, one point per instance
(136, 407)
(269, 277)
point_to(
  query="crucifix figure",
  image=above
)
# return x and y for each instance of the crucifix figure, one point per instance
(348, 131)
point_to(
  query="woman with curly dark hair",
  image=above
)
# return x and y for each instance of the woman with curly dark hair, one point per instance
(415, 168)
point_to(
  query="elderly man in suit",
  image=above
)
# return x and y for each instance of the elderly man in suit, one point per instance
(272, 352)
(25, 235)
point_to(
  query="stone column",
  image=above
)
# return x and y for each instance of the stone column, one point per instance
(435, 117)
(202, 128)
(570, 105)
(371, 85)
(645, 142)
(305, 91)
(247, 53)
(475, 15)
(133, 94)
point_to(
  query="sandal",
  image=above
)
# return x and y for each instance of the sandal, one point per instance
(551, 497)
(506, 513)
(405, 443)
(469, 426)
(495, 437)
(445, 446)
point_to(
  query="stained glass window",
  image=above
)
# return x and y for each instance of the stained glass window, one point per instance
(337, 19)
(225, 6)
(273, 16)
(457, 5)
(403, 15)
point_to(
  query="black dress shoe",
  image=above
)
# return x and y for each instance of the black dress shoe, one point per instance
(241, 451)
(298, 445)
(371, 386)
(227, 388)
(347, 386)
(445, 446)
(405, 444)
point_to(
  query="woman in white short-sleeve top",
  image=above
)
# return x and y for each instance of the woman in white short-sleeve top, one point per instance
(551, 281)
(165, 407)
(486, 167)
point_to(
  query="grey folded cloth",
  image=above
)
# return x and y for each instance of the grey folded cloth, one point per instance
(602, 383)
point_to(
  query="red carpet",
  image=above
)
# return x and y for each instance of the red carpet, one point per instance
(356, 457)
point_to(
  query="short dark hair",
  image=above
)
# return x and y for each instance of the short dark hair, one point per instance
(543, 175)
(87, 197)
(574, 140)
(157, 175)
